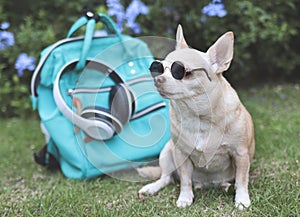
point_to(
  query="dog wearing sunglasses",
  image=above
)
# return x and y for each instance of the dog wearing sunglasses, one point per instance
(212, 133)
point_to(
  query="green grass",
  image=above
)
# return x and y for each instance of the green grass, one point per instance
(26, 189)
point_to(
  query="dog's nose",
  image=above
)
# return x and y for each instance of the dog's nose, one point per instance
(160, 79)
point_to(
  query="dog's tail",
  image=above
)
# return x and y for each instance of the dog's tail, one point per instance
(149, 172)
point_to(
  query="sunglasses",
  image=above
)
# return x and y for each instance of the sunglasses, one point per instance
(178, 70)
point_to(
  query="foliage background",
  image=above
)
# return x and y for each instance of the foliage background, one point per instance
(267, 47)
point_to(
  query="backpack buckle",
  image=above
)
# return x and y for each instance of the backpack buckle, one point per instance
(89, 14)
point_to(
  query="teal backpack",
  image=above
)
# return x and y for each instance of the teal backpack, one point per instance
(97, 102)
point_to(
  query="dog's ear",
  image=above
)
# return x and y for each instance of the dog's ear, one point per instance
(180, 41)
(221, 52)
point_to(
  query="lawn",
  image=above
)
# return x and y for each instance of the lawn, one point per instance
(29, 190)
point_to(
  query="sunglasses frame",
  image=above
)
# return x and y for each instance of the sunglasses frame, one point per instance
(186, 70)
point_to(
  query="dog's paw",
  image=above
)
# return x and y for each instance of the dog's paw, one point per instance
(185, 199)
(149, 189)
(225, 186)
(242, 201)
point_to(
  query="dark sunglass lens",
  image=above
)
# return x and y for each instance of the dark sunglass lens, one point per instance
(156, 68)
(178, 70)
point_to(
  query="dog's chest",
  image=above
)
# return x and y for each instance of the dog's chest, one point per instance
(201, 140)
(205, 148)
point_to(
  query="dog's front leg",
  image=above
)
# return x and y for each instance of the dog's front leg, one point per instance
(167, 166)
(242, 163)
(185, 170)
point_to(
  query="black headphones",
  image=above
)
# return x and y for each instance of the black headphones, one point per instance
(98, 122)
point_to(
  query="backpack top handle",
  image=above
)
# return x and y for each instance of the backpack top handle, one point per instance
(109, 25)
(90, 19)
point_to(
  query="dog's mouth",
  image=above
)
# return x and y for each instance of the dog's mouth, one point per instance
(162, 91)
(168, 95)
(164, 94)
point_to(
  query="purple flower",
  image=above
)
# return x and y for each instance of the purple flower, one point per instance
(6, 39)
(135, 8)
(4, 25)
(135, 27)
(115, 8)
(215, 8)
(24, 62)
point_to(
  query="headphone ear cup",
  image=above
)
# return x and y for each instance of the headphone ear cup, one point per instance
(102, 115)
(132, 100)
(121, 103)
